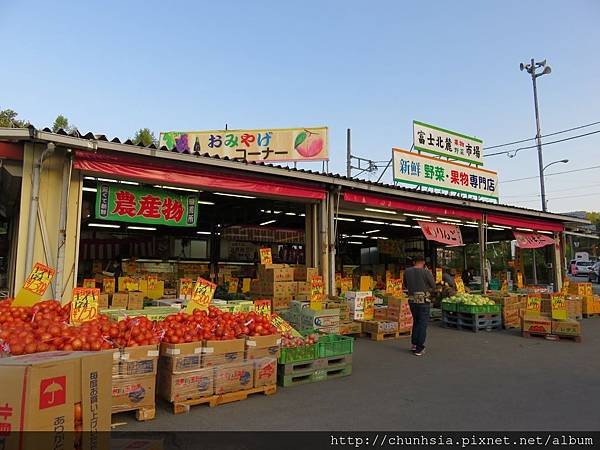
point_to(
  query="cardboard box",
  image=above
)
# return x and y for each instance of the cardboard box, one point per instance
(39, 393)
(180, 358)
(566, 327)
(258, 353)
(133, 393)
(298, 306)
(103, 301)
(234, 377)
(305, 273)
(223, 352)
(380, 313)
(302, 288)
(536, 325)
(354, 295)
(186, 386)
(119, 300)
(318, 319)
(271, 273)
(350, 327)
(379, 326)
(280, 302)
(135, 300)
(265, 371)
(135, 361)
(396, 302)
(272, 340)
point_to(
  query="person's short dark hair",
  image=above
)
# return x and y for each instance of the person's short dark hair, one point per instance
(418, 259)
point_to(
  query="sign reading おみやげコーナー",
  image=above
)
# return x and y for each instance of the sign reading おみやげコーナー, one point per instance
(136, 204)
(420, 170)
(438, 141)
(272, 144)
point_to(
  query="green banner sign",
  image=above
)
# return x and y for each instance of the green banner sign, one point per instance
(135, 204)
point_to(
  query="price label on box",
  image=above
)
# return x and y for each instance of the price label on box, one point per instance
(202, 295)
(35, 285)
(84, 305)
(265, 256)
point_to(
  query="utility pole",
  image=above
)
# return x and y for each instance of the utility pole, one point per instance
(348, 154)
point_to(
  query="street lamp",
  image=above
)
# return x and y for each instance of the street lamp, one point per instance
(531, 69)
(562, 161)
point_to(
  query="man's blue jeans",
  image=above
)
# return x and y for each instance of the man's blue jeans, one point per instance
(420, 313)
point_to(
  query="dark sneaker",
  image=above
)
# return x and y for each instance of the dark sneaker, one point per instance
(413, 348)
(419, 353)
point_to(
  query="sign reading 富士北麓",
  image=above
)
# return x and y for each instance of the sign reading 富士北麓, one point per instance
(420, 170)
(450, 144)
(273, 144)
(136, 204)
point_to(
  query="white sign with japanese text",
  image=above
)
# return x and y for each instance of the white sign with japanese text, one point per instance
(273, 144)
(438, 141)
(419, 170)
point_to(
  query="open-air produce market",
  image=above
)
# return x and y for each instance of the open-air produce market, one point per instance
(270, 225)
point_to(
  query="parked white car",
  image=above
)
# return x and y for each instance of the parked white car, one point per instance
(582, 268)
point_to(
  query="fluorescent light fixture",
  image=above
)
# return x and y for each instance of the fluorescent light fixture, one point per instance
(107, 180)
(225, 194)
(89, 178)
(544, 232)
(497, 228)
(103, 225)
(202, 202)
(203, 232)
(290, 214)
(345, 219)
(130, 182)
(473, 223)
(277, 212)
(416, 226)
(403, 225)
(373, 222)
(470, 226)
(141, 228)
(355, 242)
(449, 220)
(492, 242)
(383, 211)
(89, 189)
(417, 215)
(267, 222)
(426, 220)
(302, 215)
(451, 223)
(176, 188)
(379, 237)
(372, 231)
(360, 236)
(524, 229)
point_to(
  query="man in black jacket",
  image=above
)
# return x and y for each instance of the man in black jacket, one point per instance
(420, 283)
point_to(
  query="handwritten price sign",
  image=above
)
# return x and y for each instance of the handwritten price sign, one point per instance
(534, 305)
(519, 280)
(89, 283)
(263, 307)
(202, 295)
(282, 326)
(460, 287)
(317, 293)
(35, 285)
(559, 308)
(108, 285)
(246, 285)
(438, 275)
(185, 288)
(84, 306)
(345, 284)
(265, 256)
(152, 282)
(233, 285)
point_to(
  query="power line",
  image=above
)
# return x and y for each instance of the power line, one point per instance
(551, 174)
(552, 192)
(558, 198)
(544, 143)
(543, 136)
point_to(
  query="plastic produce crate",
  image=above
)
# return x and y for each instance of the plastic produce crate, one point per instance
(477, 309)
(298, 354)
(334, 345)
(448, 306)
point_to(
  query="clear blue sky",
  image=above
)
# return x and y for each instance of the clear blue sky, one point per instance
(373, 66)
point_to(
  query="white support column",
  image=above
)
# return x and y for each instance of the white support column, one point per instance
(559, 249)
(324, 241)
(482, 254)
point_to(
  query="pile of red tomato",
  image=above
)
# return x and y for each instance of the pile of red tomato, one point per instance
(44, 327)
(214, 324)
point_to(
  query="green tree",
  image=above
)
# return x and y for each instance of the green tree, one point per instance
(61, 122)
(145, 136)
(594, 217)
(8, 119)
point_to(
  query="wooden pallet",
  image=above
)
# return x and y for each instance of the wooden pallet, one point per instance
(551, 337)
(314, 376)
(385, 336)
(587, 316)
(141, 414)
(511, 326)
(180, 407)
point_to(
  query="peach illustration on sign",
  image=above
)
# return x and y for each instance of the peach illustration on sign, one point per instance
(308, 143)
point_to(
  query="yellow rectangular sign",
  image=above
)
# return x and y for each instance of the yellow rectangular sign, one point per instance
(35, 285)
(203, 294)
(84, 306)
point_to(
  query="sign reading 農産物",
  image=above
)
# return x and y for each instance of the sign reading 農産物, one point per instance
(438, 141)
(420, 170)
(136, 204)
(284, 144)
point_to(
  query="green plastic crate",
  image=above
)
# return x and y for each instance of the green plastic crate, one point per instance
(335, 345)
(478, 309)
(298, 354)
(448, 306)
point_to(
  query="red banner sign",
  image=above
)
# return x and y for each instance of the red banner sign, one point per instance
(532, 240)
(441, 232)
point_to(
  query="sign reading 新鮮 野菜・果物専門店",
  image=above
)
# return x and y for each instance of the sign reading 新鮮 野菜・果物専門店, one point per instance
(420, 170)
(136, 204)
(450, 144)
(271, 144)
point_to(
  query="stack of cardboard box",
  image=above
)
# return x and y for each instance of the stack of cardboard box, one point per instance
(302, 276)
(181, 375)
(512, 307)
(379, 326)
(275, 282)
(346, 326)
(134, 379)
(263, 352)
(326, 320)
(581, 289)
(399, 311)
(591, 305)
(39, 393)
(540, 324)
(361, 304)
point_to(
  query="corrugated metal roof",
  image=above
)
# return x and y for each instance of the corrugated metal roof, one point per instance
(367, 183)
